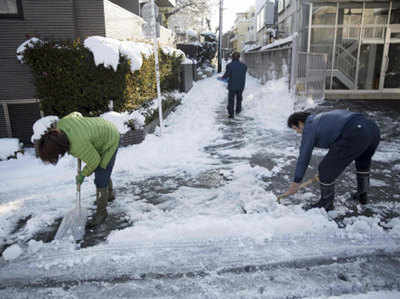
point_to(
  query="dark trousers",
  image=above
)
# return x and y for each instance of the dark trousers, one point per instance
(231, 101)
(358, 142)
(102, 176)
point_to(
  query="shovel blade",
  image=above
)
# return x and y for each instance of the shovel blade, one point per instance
(73, 224)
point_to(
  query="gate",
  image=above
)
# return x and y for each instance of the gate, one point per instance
(309, 74)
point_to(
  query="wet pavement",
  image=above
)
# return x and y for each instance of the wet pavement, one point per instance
(321, 274)
(384, 196)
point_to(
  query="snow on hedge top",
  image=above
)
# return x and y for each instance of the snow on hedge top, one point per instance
(42, 125)
(171, 51)
(26, 44)
(8, 147)
(107, 50)
(120, 120)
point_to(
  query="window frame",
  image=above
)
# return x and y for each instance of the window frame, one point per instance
(18, 15)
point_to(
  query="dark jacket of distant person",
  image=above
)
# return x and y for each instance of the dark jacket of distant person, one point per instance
(236, 75)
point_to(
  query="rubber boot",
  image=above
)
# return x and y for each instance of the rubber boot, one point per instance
(362, 187)
(327, 197)
(111, 193)
(101, 211)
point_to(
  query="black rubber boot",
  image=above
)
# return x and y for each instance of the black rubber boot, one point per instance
(362, 187)
(327, 197)
(111, 193)
(101, 211)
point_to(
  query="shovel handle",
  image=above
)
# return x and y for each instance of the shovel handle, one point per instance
(305, 184)
(78, 186)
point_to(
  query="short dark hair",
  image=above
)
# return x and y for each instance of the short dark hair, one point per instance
(52, 145)
(297, 117)
(235, 56)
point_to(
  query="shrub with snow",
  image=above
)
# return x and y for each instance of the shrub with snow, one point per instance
(84, 76)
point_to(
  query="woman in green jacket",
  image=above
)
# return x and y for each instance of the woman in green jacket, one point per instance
(95, 141)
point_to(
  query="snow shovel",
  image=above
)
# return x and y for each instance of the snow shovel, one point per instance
(74, 221)
(305, 184)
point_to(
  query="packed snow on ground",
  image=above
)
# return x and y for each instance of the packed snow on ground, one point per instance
(45, 192)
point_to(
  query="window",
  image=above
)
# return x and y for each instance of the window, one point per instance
(10, 9)
(281, 6)
(260, 20)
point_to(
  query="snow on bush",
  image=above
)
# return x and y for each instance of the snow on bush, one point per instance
(8, 147)
(27, 44)
(107, 50)
(42, 125)
(125, 121)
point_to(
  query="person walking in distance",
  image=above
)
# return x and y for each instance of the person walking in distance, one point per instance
(349, 137)
(235, 73)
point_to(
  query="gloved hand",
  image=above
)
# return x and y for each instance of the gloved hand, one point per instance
(79, 179)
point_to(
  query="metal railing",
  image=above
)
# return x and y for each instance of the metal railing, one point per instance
(346, 62)
(306, 71)
(269, 64)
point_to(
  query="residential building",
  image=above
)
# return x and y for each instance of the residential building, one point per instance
(251, 38)
(70, 19)
(361, 39)
(265, 11)
(241, 30)
(227, 47)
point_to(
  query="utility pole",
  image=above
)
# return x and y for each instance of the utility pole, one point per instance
(157, 69)
(221, 7)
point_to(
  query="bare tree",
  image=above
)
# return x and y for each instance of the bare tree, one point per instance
(195, 10)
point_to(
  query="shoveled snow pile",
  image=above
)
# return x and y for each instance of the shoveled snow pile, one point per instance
(12, 252)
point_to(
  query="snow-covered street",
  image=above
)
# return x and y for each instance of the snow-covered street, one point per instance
(196, 213)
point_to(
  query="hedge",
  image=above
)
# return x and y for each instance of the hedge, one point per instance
(67, 79)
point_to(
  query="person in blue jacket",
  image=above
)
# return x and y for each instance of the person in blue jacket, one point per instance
(235, 73)
(349, 137)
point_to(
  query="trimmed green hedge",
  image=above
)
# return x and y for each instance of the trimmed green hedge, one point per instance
(67, 79)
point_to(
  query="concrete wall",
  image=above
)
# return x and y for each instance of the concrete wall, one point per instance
(121, 23)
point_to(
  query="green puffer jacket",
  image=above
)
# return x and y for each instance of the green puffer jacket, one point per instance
(94, 140)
